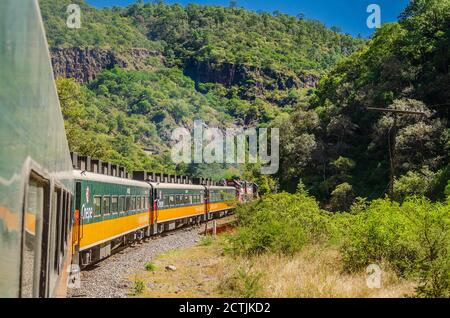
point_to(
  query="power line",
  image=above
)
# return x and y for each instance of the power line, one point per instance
(396, 111)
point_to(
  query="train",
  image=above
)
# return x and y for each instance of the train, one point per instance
(60, 211)
(114, 209)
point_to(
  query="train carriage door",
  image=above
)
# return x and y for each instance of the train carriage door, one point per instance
(36, 216)
(207, 199)
(77, 224)
(154, 199)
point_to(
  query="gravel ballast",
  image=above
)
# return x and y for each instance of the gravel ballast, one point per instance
(110, 278)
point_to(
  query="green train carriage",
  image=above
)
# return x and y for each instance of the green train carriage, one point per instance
(36, 185)
(112, 211)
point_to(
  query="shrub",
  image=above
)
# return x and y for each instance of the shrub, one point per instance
(413, 237)
(413, 183)
(342, 197)
(206, 240)
(377, 234)
(150, 267)
(431, 235)
(244, 282)
(279, 223)
(139, 286)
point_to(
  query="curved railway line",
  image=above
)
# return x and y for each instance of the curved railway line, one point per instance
(113, 276)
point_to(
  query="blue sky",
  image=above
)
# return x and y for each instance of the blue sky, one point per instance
(349, 15)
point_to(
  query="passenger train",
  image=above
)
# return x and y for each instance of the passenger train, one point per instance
(112, 211)
(58, 210)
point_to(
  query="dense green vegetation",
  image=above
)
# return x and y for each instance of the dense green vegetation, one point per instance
(330, 141)
(212, 33)
(217, 34)
(338, 141)
(412, 238)
(99, 28)
(139, 109)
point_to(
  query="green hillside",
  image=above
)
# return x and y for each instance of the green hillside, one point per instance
(230, 66)
(139, 109)
(344, 148)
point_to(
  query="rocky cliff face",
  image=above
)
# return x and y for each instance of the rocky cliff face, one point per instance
(243, 75)
(84, 64)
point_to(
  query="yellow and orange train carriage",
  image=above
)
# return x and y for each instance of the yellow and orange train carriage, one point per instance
(113, 211)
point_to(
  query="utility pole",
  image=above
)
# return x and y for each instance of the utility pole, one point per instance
(392, 139)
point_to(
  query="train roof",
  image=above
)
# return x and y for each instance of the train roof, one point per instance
(85, 175)
(160, 185)
(221, 188)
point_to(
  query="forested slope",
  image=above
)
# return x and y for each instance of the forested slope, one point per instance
(162, 66)
(344, 148)
(227, 66)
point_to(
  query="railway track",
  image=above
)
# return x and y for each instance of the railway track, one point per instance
(112, 277)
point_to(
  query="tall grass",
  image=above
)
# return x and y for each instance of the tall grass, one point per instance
(413, 238)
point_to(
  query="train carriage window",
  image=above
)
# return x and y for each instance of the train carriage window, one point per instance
(138, 203)
(106, 205)
(97, 206)
(114, 205)
(145, 203)
(57, 230)
(128, 203)
(65, 217)
(171, 200)
(166, 201)
(69, 217)
(33, 227)
(121, 204)
(133, 203)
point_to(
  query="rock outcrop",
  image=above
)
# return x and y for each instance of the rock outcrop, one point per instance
(83, 64)
(230, 74)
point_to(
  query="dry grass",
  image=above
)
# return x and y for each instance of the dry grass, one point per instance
(316, 273)
(205, 271)
(196, 274)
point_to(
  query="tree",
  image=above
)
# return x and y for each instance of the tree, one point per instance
(342, 197)
(413, 183)
(418, 137)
